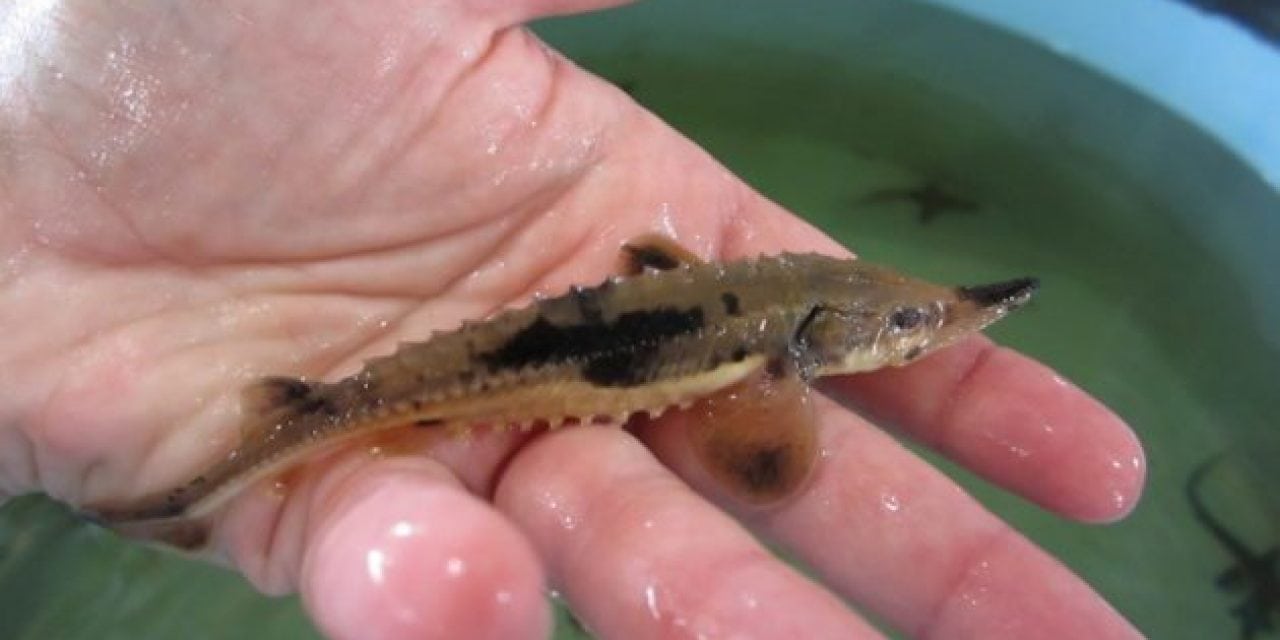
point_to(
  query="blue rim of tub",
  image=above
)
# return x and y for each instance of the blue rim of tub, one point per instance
(1203, 67)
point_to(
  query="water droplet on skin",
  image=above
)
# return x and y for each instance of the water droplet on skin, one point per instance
(891, 502)
(565, 516)
(1120, 500)
(568, 522)
(455, 567)
(651, 601)
(666, 221)
(375, 564)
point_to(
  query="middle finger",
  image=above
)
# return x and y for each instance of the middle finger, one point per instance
(891, 533)
(640, 555)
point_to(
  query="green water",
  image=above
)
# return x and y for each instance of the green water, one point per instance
(1136, 308)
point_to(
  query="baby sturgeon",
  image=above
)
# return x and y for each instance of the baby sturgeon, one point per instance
(742, 337)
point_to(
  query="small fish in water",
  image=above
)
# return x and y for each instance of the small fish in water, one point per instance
(1256, 574)
(735, 343)
(929, 198)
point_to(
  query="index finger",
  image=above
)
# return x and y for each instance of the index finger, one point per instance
(1013, 421)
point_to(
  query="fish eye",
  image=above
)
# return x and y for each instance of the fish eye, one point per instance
(905, 318)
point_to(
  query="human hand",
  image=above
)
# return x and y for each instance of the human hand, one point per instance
(196, 196)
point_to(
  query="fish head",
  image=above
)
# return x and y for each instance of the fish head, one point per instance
(875, 317)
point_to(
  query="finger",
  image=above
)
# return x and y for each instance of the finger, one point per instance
(890, 533)
(638, 555)
(1000, 414)
(505, 13)
(1013, 421)
(393, 548)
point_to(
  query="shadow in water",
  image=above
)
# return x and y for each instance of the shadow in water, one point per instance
(1256, 575)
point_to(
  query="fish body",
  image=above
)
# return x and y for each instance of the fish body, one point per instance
(674, 331)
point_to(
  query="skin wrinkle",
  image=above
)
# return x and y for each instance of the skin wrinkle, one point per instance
(448, 289)
(155, 442)
(112, 110)
(156, 253)
(550, 192)
(280, 567)
(150, 447)
(27, 453)
(544, 199)
(330, 366)
(88, 186)
(408, 243)
(320, 362)
(411, 141)
(155, 445)
(39, 452)
(499, 214)
(537, 279)
(935, 621)
(553, 65)
(527, 286)
(41, 422)
(292, 142)
(953, 399)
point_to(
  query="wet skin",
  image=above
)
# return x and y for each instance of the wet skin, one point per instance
(192, 198)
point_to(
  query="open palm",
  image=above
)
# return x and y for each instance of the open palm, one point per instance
(193, 196)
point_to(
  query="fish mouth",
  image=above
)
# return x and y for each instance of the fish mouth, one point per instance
(1008, 295)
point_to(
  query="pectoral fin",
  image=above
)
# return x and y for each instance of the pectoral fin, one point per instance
(757, 438)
